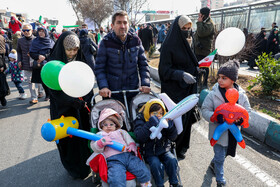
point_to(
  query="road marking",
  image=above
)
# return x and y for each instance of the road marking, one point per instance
(276, 154)
(255, 170)
(251, 139)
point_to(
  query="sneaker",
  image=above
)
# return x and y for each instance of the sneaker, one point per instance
(175, 185)
(33, 101)
(40, 95)
(212, 167)
(221, 185)
(47, 98)
(22, 96)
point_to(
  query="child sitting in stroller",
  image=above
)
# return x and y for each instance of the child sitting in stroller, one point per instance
(156, 152)
(118, 163)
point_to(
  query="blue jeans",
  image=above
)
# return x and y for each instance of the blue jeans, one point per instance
(120, 163)
(157, 165)
(219, 159)
(19, 86)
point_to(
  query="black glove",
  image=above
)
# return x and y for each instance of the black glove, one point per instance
(153, 121)
(220, 118)
(239, 122)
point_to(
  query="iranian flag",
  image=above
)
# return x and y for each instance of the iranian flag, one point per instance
(207, 61)
(42, 20)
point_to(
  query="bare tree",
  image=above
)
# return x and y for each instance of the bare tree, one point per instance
(94, 10)
(75, 6)
(132, 7)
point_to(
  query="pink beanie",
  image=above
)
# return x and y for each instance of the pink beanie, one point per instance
(110, 114)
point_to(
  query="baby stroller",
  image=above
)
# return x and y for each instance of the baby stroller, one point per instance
(128, 114)
(136, 104)
(97, 162)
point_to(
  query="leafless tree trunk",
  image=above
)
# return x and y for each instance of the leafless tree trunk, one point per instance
(75, 5)
(132, 7)
(94, 10)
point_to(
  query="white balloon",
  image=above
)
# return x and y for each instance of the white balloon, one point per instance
(76, 79)
(230, 41)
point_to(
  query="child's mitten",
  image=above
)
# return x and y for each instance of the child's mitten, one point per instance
(104, 141)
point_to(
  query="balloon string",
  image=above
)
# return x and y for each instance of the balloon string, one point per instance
(86, 105)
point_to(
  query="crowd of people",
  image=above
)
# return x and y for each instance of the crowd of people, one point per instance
(119, 59)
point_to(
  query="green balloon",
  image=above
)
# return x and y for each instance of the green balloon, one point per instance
(50, 72)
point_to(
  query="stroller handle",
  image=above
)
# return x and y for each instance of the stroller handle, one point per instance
(120, 91)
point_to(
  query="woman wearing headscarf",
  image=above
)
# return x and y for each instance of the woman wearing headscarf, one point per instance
(73, 151)
(88, 47)
(40, 50)
(177, 70)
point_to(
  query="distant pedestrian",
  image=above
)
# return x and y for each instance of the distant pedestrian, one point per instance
(16, 36)
(4, 88)
(161, 34)
(40, 50)
(155, 34)
(16, 74)
(90, 35)
(273, 42)
(14, 25)
(273, 25)
(24, 61)
(146, 36)
(203, 40)
(88, 47)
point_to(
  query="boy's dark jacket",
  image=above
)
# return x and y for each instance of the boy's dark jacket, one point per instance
(156, 146)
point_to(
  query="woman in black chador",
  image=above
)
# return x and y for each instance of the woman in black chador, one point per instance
(73, 151)
(178, 68)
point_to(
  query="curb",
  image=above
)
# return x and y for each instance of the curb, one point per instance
(262, 127)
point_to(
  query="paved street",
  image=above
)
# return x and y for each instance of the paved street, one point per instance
(26, 159)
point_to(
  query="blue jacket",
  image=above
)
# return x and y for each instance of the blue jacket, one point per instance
(119, 64)
(161, 34)
(156, 146)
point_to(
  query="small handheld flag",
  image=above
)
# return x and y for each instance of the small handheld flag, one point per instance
(207, 61)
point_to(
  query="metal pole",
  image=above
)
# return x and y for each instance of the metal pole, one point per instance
(249, 15)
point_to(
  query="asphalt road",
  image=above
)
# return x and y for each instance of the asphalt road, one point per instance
(26, 159)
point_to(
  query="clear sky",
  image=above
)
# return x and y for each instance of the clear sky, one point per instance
(66, 16)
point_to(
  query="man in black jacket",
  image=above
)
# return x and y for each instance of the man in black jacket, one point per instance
(24, 61)
(146, 37)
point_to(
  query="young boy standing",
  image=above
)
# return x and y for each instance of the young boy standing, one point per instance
(226, 145)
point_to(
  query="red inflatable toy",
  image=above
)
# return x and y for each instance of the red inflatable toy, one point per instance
(231, 113)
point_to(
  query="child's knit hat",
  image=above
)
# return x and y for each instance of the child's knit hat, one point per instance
(109, 114)
(230, 69)
(13, 54)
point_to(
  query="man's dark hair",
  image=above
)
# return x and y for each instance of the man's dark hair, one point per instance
(84, 24)
(119, 13)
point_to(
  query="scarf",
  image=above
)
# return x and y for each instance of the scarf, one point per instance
(41, 43)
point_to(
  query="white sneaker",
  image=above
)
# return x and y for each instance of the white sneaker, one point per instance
(23, 96)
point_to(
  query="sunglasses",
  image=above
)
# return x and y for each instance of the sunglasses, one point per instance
(106, 124)
(25, 30)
